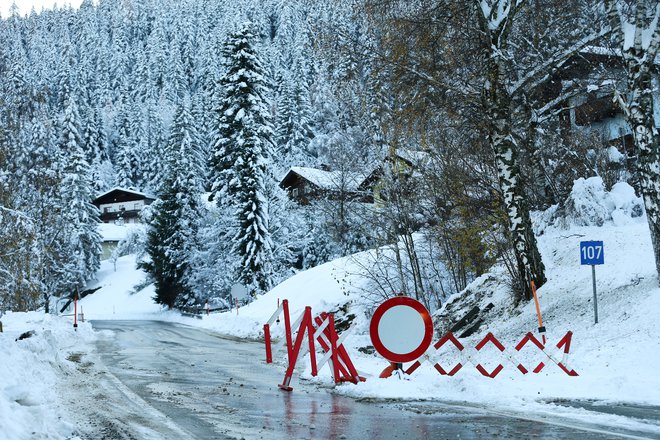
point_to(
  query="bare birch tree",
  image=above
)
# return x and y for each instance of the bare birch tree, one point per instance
(636, 26)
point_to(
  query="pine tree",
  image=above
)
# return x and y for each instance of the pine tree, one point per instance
(80, 215)
(240, 157)
(172, 239)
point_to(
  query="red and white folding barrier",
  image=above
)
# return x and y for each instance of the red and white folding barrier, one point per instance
(469, 356)
(319, 329)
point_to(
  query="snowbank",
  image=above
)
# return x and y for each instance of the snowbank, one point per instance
(117, 299)
(325, 288)
(31, 371)
(589, 204)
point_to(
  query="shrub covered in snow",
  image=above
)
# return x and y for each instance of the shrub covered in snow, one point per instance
(589, 204)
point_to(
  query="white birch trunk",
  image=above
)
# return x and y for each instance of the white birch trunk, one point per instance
(496, 22)
(638, 36)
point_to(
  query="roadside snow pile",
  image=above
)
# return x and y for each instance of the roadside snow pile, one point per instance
(31, 371)
(589, 204)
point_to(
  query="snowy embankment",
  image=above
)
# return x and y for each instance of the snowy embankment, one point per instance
(32, 371)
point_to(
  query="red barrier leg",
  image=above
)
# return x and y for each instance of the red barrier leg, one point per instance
(305, 326)
(287, 329)
(269, 350)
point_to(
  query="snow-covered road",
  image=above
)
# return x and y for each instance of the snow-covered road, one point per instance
(155, 380)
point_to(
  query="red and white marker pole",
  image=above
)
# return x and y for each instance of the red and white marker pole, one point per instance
(538, 312)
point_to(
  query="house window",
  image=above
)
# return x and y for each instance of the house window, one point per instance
(106, 210)
(122, 208)
(136, 206)
(295, 192)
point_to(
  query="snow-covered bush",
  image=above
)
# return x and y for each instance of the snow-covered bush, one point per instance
(133, 243)
(589, 204)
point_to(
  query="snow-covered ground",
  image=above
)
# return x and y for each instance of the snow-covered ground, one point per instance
(32, 372)
(616, 359)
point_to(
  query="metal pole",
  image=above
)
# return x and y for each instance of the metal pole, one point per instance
(593, 277)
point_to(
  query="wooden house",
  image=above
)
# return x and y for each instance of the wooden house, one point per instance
(121, 205)
(306, 184)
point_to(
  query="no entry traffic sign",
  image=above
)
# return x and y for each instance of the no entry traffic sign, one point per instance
(401, 329)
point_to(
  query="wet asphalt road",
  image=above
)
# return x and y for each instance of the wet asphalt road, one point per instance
(217, 388)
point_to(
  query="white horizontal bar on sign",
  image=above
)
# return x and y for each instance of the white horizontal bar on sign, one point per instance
(276, 314)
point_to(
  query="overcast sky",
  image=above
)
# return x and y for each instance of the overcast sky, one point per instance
(25, 6)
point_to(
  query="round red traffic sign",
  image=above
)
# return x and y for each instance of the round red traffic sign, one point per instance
(401, 329)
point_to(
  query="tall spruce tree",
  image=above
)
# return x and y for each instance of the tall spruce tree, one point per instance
(241, 154)
(80, 215)
(172, 239)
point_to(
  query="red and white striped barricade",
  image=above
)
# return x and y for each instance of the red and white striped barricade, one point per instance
(319, 329)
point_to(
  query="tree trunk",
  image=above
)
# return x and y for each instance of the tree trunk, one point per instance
(648, 162)
(498, 103)
(528, 259)
(639, 58)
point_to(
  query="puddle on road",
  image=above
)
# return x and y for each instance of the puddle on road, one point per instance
(643, 412)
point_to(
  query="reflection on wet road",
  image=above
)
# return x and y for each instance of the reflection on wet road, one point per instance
(216, 388)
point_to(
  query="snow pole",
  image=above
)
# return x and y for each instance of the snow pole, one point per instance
(538, 312)
(75, 310)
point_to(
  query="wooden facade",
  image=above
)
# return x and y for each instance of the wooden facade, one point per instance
(307, 184)
(121, 205)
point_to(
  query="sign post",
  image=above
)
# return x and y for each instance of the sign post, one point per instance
(592, 253)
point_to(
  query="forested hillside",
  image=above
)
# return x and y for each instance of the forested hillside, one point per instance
(452, 113)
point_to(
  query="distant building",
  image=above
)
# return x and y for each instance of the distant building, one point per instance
(121, 205)
(306, 184)
(594, 111)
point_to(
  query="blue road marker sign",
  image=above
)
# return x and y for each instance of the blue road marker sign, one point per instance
(592, 252)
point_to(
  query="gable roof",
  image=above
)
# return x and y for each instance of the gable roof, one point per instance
(326, 180)
(128, 194)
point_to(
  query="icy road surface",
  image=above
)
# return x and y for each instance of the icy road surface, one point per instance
(154, 380)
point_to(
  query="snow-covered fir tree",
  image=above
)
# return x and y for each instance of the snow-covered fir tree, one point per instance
(241, 156)
(172, 239)
(81, 217)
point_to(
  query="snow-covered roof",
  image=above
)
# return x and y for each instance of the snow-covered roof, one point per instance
(607, 51)
(132, 191)
(350, 181)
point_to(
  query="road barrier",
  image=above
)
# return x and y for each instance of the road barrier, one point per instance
(563, 346)
(394, 342)
(320, 329)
